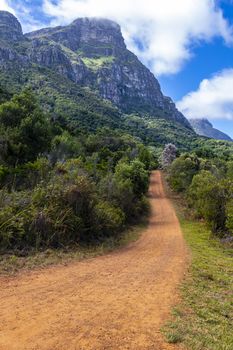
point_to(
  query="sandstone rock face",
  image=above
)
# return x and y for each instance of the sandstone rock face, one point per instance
(92, 52)
(93, 36)
(10, 28)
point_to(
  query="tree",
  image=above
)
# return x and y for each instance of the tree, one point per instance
(182, 171)
(136, 173)
(26, 131)
(229, 213)
(230, 170)
(208, 196)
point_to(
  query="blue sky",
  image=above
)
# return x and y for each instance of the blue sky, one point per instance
(206, 61)
(187, 44)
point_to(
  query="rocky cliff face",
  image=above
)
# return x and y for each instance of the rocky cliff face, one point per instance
(11, 39)
(91, 52)
(94, 37)
(10, 28)
(204, 128)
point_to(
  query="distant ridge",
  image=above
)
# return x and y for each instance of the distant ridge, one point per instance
(204, 128)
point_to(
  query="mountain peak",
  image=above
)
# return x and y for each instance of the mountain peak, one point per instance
(97, 22)
(88, 35)
(203, 127)
(10, 28)
(95, 31)
(91, 52)
(205, 121)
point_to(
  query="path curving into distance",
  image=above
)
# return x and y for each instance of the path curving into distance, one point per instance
(118, 301)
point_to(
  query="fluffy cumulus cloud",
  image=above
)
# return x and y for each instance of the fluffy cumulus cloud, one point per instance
(212, 100)
(160, 32)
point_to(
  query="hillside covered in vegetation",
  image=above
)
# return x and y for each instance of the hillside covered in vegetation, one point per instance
(82, 124)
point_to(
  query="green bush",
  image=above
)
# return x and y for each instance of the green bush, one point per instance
(181, 172)
(61, 185)
(208, 196)
(136, 173)
(25, 129)
(230, 170)
(229, 215)
(207, 184)
(108, 219)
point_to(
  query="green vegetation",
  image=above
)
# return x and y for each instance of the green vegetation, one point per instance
(96, 63)
(78, 108)
(66, 180)
(25, 130)
(208, 187)
(156, 130)
(11, 263)
(81, 110)
(61, 187)
(74, 170)
(204, 319)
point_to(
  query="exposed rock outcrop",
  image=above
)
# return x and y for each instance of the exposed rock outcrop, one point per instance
(92, 53)
(10, 28)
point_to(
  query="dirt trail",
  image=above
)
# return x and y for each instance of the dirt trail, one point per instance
(118, 301)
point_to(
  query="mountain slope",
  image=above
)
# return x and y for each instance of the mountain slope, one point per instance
(204, 128)
(83, 72)
(90, 52)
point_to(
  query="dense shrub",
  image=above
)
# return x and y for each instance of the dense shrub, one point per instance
(230, 170)
(136, 173)
(109, 219)
(229, 215)
(182, 171)
(65, 211)
(69, 209)
(208, 187)
(83, 189)
(208, 197)
(25, 130)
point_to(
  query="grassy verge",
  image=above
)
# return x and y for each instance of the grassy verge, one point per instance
(11, 264)
(204, 319)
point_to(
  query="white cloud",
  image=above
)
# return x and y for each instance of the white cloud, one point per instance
(4, 6)
(24, 10)
(167, 28)
(212, 100)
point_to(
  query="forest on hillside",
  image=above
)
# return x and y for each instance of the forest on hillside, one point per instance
(62, 185)
(59, 186)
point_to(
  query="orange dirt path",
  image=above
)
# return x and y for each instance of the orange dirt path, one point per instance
(118, 301)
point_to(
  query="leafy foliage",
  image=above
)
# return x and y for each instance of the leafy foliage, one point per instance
(25, 130)
(78, 173)
(182, 171)
(208, 186)
(85, 188)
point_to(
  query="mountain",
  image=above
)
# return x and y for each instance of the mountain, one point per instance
(92, 52)
(84, 71)
(10, 28)
(204, 128)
